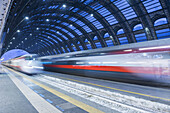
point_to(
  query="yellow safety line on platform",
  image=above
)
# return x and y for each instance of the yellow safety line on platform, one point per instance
(63, 96)
(117, 89)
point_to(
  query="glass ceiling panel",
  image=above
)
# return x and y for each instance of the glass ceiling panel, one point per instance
(125, 8)
(87, 29)
(152, 5)
(78, 32)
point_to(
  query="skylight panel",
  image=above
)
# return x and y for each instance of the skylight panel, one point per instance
(58, 21)
(54, 14)
(74, 48)
(125, 8)
(60, 15)
(111, 19)
(70, 34)
(87, 29)
(123, 40)
(89, 46)
(48, 40)
(98, 45)
(63, 50)
(52, 39)
(65, 16)
(50, 7)
(59, 33)
(75, 10)
(52, 30)
(56, 37)
(95, 38)
(64, 30)
(97, 24)
(103, 11)
(64, 23)
(65, 37)
(152, 5)
(70, 8)
(58, 27)
(83, 13)
(45, 43)
(121, 4)
(78, 42)
(52, 25)
(109, 43)
(90, 18)
(163, 33)
(160, 21)
(96, 6)
(78, 32)
(67, 48)
(138, 27)
(86, 40)
(88, 2)
(81, 47)
(129, 13)
(73, 19)
(80, 23)
(62, 35)
(140, 37)
(56, 6)
(106, 35)
(71, 27)
(120, 31)
(53, 7)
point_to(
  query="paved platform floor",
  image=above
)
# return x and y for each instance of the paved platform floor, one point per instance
(16, 97)
(20, 95)
(11, 98)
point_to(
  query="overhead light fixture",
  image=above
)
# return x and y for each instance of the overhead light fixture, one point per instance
(47, 20)
(30, 34)
(26, 18)
(91, 14)
(71, 25)
(64, 6)
(37, 28)
(14, 38)
(18, 31)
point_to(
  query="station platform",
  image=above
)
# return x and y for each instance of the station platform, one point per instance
(61, 93)
(19, 95)
(15, 97)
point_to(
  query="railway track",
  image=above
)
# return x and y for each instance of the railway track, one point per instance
(112, 100)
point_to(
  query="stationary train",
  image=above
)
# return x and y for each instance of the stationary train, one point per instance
(136, 64)
(27, 63)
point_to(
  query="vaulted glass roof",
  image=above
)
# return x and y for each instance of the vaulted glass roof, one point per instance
(48, 27)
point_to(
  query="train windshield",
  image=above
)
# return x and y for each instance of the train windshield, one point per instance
(31, 57)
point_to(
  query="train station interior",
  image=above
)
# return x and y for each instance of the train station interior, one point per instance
(85, 56)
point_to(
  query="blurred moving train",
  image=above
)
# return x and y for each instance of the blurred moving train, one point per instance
(140, 64)
(27, 63)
